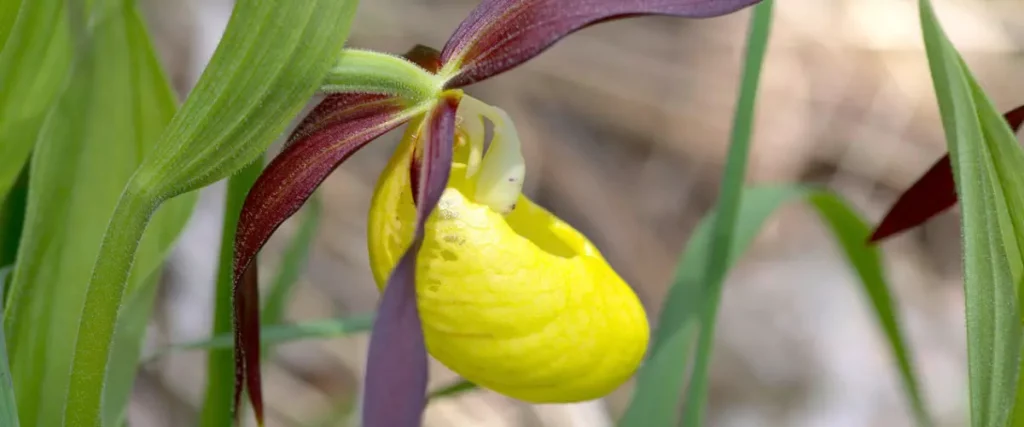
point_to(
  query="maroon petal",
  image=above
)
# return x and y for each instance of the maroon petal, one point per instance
(337, 128)
(396, 371)
(501, 34)
(932, 194)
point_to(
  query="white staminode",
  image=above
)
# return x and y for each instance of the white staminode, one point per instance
(502, 169)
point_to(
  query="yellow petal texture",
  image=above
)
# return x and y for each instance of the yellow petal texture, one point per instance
(522, 304)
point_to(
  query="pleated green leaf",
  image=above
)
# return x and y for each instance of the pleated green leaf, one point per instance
(272, 58)
(985, 156)
(107, 118)
(661, 380)
(8, 405)
(35, 52)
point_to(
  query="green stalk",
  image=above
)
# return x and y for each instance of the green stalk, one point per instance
(117, 253)
(220, 379)
(728, 208)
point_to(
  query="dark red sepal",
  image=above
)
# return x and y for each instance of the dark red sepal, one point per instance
(502, 34)
(339, 126)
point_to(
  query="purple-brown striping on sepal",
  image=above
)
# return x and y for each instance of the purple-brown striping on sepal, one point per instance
(396, 371)
(932, 194)
(336, 129)
(501, 34)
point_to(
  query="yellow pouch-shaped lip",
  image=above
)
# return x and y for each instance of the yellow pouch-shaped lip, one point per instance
(522, 304)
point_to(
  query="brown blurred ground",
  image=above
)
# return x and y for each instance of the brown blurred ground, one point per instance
(626, 127)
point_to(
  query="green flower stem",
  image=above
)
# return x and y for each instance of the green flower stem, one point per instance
(95, 335)
(373, 72)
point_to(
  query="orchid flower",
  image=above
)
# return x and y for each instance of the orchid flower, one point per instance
(495, 287)
(930, 195)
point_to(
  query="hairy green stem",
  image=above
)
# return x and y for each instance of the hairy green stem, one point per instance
(103, 300)
(221, 363)
(373, 72)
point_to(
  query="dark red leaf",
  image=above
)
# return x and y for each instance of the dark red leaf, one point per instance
(501, 34)
(932, 194)
(396, 371)
(336, 129)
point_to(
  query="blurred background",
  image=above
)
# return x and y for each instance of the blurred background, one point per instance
(625, 127)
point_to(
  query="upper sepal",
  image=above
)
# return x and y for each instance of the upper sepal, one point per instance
(339, 126)
(396, 370)
(501, 34)
(932, 194)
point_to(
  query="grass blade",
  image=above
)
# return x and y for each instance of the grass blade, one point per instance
(280, 334)
(220, 380)
(660, 381)
(728, 207)
(456, 388)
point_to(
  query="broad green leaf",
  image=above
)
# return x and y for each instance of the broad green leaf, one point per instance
(8, 406)
(220, 371)
(34, 60)
(292, 264)
(280, 334)
(981, 158)
(272, 58)
(115, 104)
(454, 389)
(661, 379)
(373, 72)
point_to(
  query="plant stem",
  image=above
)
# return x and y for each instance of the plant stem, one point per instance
(217, 411)
(103, 300)
(728, 207)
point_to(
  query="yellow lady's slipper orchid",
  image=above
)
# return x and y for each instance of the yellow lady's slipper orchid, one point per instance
(520, 303)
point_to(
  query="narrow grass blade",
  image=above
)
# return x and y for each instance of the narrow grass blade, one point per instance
(982, 152)
(220, 379)
(728, 207)
(454, 389)
(292, 263)
(661, 379)
(283, 333)
(105, 121)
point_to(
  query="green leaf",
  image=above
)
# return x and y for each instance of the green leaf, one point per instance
(8, 407)
(34, 60)
(12, 219)
(728, 205)
(661, 379)
(456, 388)
(982, 154)
(292, 263)
(373, 72)
(131, 329)
(220, 379)
(272, 58)
(280, 334)
(104, 122)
